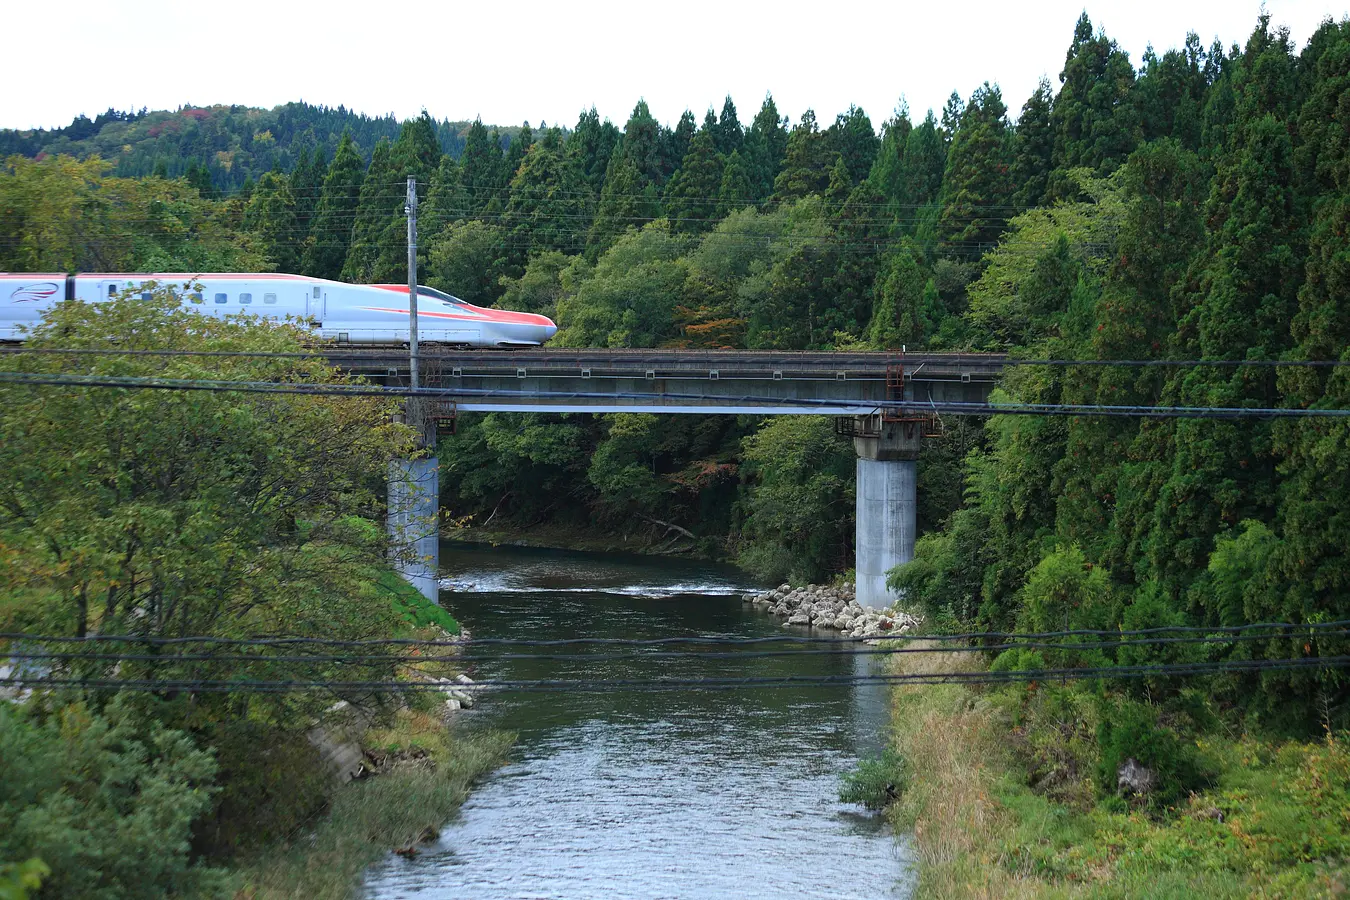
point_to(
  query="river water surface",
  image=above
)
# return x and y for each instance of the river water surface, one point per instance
(639, 794)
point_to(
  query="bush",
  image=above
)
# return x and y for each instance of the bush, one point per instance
(1130, 730)
(272, 782)
(107, 801)
(876, 783)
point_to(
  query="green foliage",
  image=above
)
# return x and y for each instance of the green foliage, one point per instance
(798, 510)
(876, 782)
(1130, 730)
(17, 879)
(467, 260)
(106, 800)
(412, 607)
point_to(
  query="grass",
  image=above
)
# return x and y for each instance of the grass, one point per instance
(369, 818)
(417, 611)
(1274, 823)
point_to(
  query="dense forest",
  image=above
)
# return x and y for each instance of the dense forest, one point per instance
(1193, 207)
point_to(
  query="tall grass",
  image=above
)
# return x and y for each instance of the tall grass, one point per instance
(369, 818)
(1276, 822)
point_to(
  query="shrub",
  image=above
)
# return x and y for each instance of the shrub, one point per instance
(106, 801)
(876, 783)
(1130, 730)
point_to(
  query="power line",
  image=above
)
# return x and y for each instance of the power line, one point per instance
(466, 394)
(710, 683)
(344, 352)
(859, 648)
(711, 639)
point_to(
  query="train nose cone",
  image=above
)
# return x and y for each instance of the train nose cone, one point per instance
(546, 328)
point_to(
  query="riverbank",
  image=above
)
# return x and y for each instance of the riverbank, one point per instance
(426, 773)
(647, 540)
(415, 770)
(1001, 796)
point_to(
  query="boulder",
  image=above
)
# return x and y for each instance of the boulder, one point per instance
(1132, 778)
(799, 618)
(843, 622)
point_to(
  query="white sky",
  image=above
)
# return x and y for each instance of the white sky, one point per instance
(523, 59)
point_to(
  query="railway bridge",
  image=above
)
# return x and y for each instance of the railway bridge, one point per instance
(877, 399)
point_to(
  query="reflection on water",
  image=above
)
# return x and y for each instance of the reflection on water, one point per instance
(625, 793)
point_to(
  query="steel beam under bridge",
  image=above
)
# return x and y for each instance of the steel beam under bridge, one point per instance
(699, 382)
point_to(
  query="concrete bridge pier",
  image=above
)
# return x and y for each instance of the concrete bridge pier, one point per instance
(886, 504)
(414, 518)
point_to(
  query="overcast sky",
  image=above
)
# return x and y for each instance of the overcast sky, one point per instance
(511, 61)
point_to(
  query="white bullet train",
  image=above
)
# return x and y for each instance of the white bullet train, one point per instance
(344, 313)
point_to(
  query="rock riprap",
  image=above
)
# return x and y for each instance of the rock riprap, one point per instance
(835, 608)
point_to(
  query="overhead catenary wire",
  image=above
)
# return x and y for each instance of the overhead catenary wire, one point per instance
(343, 352)
(33, 379)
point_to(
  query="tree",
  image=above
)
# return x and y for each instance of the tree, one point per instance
(1223, 472)
(108, 801)
(380, 202)
(481, 169)
(271, 215)
(691, 195)
(907, 308)
(331, 235)
(728, 135)
(852, 138)
(978, 182)
(630, 299)
(1094, 119)
(592, 143)
(677, 144)
(806, 166)
(737, 189)
(765, 148)
(1033, 148)
(799, 500)
(550, 206)
(888, 169)
(468, 260)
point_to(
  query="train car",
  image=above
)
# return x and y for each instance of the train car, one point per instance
(344, 313)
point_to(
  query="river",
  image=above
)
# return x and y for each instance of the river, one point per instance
(638, 794)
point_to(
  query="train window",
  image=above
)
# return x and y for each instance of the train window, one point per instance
(112, 291)
(316, 292)
(195, 296)
(146, 295)
(269, 298)
(245, 298)
(222, 298)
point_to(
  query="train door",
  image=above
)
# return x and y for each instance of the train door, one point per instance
(317, 301)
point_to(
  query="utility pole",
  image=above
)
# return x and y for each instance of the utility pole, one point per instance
(411, 210)
(414, 483)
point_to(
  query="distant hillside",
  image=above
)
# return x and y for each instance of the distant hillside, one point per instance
(235, 143)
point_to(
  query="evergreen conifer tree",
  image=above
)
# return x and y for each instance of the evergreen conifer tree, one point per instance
(1033, 144)
(728, 136)
(977, 185)
(592, 143)
(851, 136)
(1094, 119)
(480, 168)
(737, 190)
(765, 148)
(691, 201)
(381, 199)
(807, 163)
(330, 236)
(678, 143)
(270, 215)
